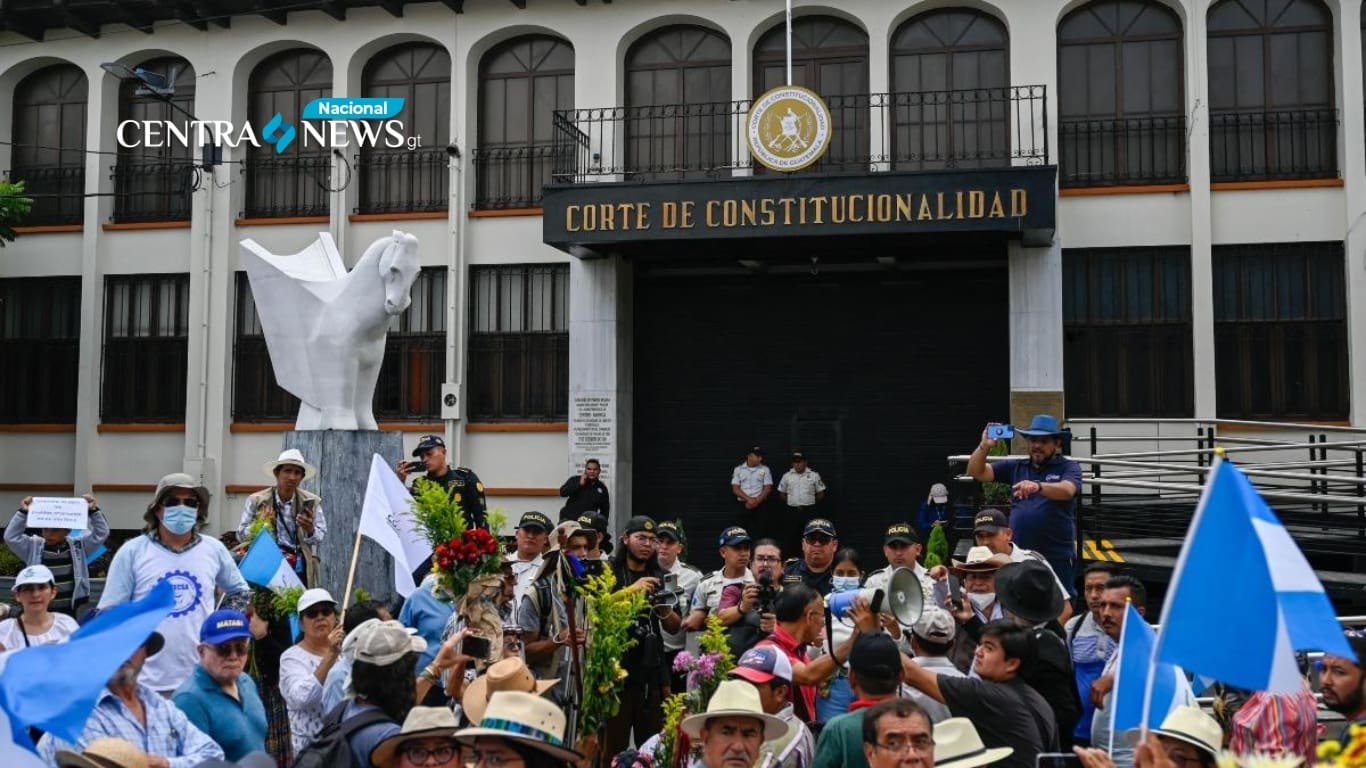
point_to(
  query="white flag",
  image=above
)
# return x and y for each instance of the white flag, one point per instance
(386, 518)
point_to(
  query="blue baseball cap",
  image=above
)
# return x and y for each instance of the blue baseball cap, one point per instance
(733, 536)
(222, 626)
(427, 443)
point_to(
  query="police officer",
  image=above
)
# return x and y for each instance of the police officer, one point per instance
(460, 482)
(816, 567)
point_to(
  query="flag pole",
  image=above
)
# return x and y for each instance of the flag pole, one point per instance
(789, 42)
(1147, 692)
(351, 573)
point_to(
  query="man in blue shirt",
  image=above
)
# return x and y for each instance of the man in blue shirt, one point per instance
(1043, 490)
(220, 698)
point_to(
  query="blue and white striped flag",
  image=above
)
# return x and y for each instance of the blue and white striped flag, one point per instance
(1243, 599)
(1170, 689)
(265, 565)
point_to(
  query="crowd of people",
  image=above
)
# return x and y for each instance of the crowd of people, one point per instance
(1010, 654)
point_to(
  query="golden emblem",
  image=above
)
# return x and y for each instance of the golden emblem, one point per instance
(788, 128)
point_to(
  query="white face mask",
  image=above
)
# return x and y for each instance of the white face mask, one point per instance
(980, 600)
(843, 583)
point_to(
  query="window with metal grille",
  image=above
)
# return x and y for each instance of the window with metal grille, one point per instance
(40, 326)
(519, 343)
(1127, 332)
(49, 143)
(146, 348)
(294, 182)
(1280, 331)
(1121, 104)
(678, 103)
(403, 179)
(410, 378)
(156, 183)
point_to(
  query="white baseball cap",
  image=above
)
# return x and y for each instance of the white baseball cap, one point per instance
(34, 574)
(312, 597)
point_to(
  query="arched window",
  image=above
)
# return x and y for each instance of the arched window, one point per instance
(156, 183)
(678, 102)
(521, 84)
(49, 143)
(829, 56)
(400, 179)
(293, 182)
(951, 99)
(1120, 95)
(1272, 112)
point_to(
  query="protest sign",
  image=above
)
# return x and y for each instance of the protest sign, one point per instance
(58, 512)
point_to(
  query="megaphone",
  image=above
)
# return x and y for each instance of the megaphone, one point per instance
(840, 603)
(903, 599)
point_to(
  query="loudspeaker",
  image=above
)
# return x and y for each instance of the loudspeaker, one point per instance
(905, 598)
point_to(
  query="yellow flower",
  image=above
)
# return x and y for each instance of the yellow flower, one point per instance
(621, 673)
(604, 688)
(456, 497)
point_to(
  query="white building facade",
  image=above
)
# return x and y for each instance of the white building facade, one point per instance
(1206, 259)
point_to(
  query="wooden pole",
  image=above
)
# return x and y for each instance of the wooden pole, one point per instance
(351, 574)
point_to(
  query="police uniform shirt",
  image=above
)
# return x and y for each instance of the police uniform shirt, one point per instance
(525, 572)
(688, 579)
(801, 487)
(796, 570)
(465, 488)
(751, 479)
(707, 596)
(880, 578)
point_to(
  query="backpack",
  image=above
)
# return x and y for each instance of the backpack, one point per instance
(331, 748)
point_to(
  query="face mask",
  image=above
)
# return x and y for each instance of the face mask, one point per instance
(980, 600)
(180, 519)
(843, 583)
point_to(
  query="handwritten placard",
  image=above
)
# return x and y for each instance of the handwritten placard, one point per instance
(57, 512)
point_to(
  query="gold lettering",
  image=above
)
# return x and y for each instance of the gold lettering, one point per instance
(642, 218)
(1019, 203)
(837, 209)
(685, 218)
(858, 218)
(590, 218)
(787, 210)
(977, 204)
(997, 210)
(884, 208)
(903, 207)
(668, 214)
(939, 200)
(609, 217)
(747, 213)
(818, 208)
(925, 212)
(712, 221)
(958, 204)
(766, 211)
(625, 210)
(569, 225)
(730, 213)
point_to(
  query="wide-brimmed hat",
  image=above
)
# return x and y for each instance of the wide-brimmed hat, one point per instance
(527, 719)
(958, 745)
(104, 753)
(735, 698)
(981, 560)
(181, 480)
(1042, 425)
(1193, 726)
(1030, 591)
(421, 723)
(506, 675)
(292, 457)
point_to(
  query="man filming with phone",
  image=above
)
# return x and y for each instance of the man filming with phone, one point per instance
(460, 482)
(1043, 490)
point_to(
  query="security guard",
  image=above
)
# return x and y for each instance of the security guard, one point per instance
(816, 567)
(460, 482)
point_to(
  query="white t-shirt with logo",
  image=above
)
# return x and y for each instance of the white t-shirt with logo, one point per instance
(12, 633)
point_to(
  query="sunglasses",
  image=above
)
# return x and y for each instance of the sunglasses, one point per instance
(313, 613)
(818, 541)
(232, 648)
(192, 502)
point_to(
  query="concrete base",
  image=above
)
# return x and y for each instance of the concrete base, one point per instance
(343, 462)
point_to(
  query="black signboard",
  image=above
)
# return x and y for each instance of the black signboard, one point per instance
(1017, 200)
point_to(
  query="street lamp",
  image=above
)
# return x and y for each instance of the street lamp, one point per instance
(162, 88)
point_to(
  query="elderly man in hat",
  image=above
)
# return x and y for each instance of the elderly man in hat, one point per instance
(104, 753)
(130, 710)
(65, 552)
(734, 728)
(991, 530)
(979, 604)
(460, 482)
(197, 567)
(1043, 489)
(295, 515)
(220, 698)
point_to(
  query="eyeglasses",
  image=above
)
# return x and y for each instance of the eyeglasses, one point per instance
(901, 747)
(420, 755)
(191, 502)
(232, 648)
(494, 759)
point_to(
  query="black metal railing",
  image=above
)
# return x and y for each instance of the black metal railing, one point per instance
(1122, 150)
(129, 394)
(403, 181)
(975, 128)
(287, 185)
(1278, 144)
(152, 191)
(409, 385)
(58, 194)
(519, 376)
(511, 177)
(45, 391)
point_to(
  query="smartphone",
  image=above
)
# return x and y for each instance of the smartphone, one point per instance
(475, 647)
(1000, 431)
(1057, 760)
(670, 583)
(955, 589)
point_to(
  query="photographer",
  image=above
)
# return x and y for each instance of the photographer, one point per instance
(671, 542)
(637, 567)
(755, 601)
(295, 515)
(735, 552)
(460, 482)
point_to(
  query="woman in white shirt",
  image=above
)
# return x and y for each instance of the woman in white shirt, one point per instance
(35, 588)
(304, 666)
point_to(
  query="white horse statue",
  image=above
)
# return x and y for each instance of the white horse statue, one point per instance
(325, 327)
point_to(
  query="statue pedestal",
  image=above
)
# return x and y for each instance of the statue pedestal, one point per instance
(343, 460)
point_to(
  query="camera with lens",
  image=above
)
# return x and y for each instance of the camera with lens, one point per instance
(669, 595)
(768, 593)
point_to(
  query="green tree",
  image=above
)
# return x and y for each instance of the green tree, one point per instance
(13, 208)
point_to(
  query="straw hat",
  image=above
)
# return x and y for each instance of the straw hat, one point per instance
(981, 560)
(526, 719)
(104, 753)
(1193, 726)
(292, 457)
(421, 723)
(735, 698)
(958, 745)
(506, 675)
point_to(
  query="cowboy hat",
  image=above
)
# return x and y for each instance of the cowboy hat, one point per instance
(1042, 425)
(506, 675)
(291, 457)
(421, 723)
(981, 559)
(526, 719)
(1029, 590)
(104, 753)
(1193, 726)
(735, 698)
(958, 745)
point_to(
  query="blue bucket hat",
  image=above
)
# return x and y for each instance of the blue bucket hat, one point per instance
(1042, 425)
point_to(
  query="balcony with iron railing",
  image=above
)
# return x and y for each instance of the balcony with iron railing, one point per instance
(58, 194)
(152, 190)
(403, 181)
(511, 176)
(286, 185)
(1121, 151)
(871, 133)
(1275, 144)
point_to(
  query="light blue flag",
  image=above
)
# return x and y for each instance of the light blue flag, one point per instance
(265, 565)
(1243, 599)
(84, 664)
(1170, 689)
